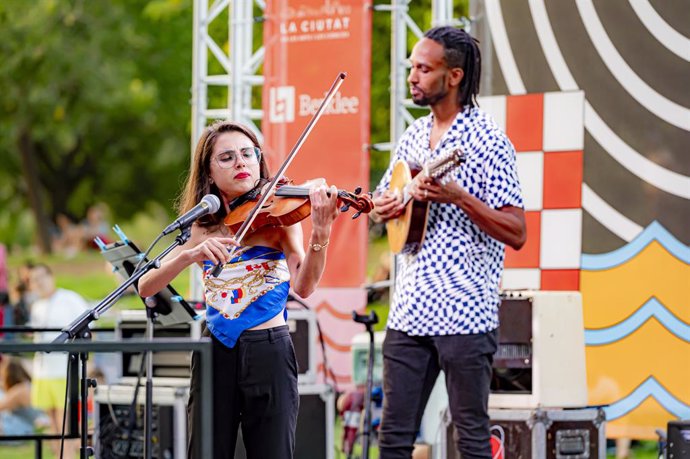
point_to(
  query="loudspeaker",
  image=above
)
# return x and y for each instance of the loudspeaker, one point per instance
(117, 437)
(539, 331)
(304, 334)
(678, 446)
(314, 437)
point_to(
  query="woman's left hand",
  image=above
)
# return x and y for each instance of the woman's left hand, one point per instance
(324, 208)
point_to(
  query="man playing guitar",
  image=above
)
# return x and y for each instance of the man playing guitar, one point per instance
(444, 311)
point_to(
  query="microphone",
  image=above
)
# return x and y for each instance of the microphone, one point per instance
(209, 205)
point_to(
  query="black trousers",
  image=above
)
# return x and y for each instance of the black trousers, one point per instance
(255, 387)
(411, 365)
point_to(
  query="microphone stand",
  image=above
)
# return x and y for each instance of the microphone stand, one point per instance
(85, 451)
(148, 404)
(369, 322)
(79, 328)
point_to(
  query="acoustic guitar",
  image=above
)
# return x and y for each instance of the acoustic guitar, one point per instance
(406, 233)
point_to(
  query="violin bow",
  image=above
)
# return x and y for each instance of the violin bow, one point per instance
(242, 231)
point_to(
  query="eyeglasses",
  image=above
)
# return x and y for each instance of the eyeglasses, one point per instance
(228, 158)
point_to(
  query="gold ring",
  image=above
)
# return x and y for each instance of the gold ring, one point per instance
(426, 194)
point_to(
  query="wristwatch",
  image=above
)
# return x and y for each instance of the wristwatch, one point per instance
(316, 247)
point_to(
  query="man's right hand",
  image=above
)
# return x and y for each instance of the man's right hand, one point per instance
(387, 206)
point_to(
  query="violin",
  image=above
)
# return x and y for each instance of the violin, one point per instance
(290, 204)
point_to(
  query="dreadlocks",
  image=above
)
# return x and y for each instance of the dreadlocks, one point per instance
(460, 50)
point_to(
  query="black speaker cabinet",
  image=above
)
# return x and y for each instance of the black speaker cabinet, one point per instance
(315, 422)
(541, 434)
(117, 437)
(304, 334)
(678, 439)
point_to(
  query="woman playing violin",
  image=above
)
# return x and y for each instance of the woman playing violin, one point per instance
(255, 370)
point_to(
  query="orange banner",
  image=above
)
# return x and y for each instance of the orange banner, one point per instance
(307, 44)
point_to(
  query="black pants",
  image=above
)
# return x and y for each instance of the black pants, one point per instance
(411, 365)
(255, 387)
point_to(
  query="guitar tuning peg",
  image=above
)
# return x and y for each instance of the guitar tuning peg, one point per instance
(358, 190)
(357, 215)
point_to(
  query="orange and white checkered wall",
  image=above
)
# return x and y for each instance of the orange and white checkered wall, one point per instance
(547, 131)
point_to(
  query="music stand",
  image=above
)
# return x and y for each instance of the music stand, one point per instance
(170, 308)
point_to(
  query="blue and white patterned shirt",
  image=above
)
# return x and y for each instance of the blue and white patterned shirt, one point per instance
(450, 286)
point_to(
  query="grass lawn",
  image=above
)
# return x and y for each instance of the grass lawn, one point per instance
(24, 450)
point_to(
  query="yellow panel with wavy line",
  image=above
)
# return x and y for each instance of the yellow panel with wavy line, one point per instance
(640, 422)
(615, 370)
(611, 295)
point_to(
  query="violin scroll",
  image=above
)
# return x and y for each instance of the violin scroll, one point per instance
(361, 202)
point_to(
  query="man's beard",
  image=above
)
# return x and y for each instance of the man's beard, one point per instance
(425, 100)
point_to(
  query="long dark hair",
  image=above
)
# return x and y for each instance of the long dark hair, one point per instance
(198, 182)
(15, 373)
(461, 50)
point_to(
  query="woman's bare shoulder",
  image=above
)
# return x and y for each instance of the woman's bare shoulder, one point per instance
(201, 233)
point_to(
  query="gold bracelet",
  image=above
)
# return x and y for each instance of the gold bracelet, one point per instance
(318, 247)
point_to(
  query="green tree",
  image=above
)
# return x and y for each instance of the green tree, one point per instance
(94, 105)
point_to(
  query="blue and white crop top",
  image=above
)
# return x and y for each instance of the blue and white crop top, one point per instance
(252, 288)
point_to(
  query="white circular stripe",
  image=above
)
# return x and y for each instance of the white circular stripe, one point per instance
(614, 221)
(662, 178)
(549, 45)
(674, 41)
(662, 107)
(494, 16)
(656, 175)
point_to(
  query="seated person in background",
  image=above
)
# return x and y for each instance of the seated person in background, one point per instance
(21, 296)
(95, 225)
(17, 416)
(69, 238)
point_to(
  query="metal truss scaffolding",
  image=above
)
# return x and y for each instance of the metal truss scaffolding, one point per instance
(402, 24)
(239, 64)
